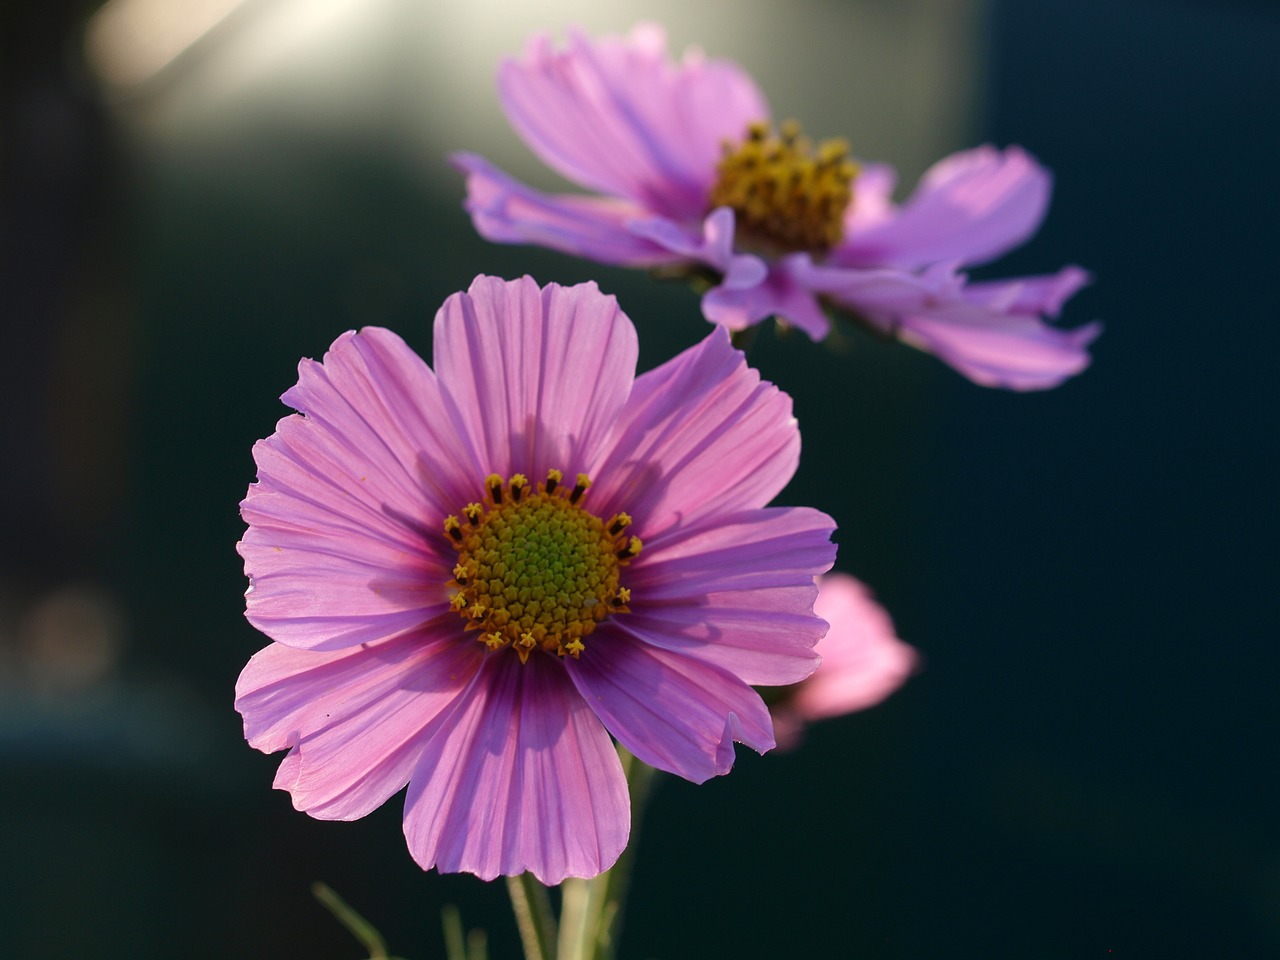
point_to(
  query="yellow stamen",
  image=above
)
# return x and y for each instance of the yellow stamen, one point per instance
(536, 570)
(786, 196)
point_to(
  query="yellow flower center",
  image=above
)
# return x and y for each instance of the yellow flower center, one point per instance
(535, 569)
(786, 196)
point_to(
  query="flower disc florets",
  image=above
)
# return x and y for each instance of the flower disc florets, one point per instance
(787, 196)
(534, 568)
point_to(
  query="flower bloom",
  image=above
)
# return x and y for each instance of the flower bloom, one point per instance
(473, 575)
(691, 176)
(863, 661)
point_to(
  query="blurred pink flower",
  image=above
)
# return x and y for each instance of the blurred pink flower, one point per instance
(445, 617)
(863, 661)
(690, 176)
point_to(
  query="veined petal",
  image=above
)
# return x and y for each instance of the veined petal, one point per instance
(969, 208)
(335, 550)
(537, 376)
(618, 116)
(738, 594)
(352, 719)
(506, 211)
(863, 661)
(700, 435)
(521, 777)
(714, 247)
(1014, 351)
(670, 710)
(1042, 295)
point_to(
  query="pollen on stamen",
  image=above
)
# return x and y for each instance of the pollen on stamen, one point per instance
(494, 483)
(517, 484)
(632, 548)
(537, 571)
(786, 196)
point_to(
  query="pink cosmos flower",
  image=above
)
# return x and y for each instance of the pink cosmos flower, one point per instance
(863, 661)
(475, 574)
(691, 177)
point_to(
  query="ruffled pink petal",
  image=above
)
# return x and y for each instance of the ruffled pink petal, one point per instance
(863, 661)
(877, 293)
(1013, 351)
(522, 776)
(672, 711)
(537, 377)
(738, 593)
(872, 202)
(1043, 295)
(969, 208)
(506, 211)
(352, 719)
(780, 295)
(618, 116)
(700, 436)
(343, 545)
(714, 247)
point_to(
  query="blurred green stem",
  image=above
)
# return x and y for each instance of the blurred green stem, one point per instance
(591, 910)
(359, 927)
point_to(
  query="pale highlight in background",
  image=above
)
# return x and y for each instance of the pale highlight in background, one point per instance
(899, 80)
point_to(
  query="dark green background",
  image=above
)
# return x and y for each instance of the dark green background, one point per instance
(1086, 766)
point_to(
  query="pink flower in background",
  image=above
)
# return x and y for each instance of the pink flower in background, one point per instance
(690, 175)
(863, 661)
(475, 574)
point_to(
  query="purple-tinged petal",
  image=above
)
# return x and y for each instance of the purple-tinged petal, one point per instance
(872, 202)
(1043, 295)
(700, 436)
(878, 292)
(521, 776)
(672, 711)
(714, 247)
(863, 661)
(738, 594)
(969, 208)
(537, 375)
(352, 719)
(1014, 351)
(337, 551)
(618, 116)
(780, 295)
(506, 211)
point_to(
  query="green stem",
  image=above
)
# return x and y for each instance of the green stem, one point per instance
(359, 927)
(533, 917)
(591, 910)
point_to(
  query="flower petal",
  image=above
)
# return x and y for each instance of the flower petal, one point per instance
(338, 549)
(700, 435)
(506, 211)
(521, 777)
(713, 248)
(738, 594)
(537, 376)
(1013, 351)
(1043, 295)
(969, 208)
(863, 661)
(618, 116)
(352, 719)
(672, 711)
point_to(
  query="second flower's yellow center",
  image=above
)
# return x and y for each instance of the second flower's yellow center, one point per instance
(535, 569)
(786, 195)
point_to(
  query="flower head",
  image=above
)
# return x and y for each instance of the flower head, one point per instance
(863, 661)
(473, 575)
(691, 175)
